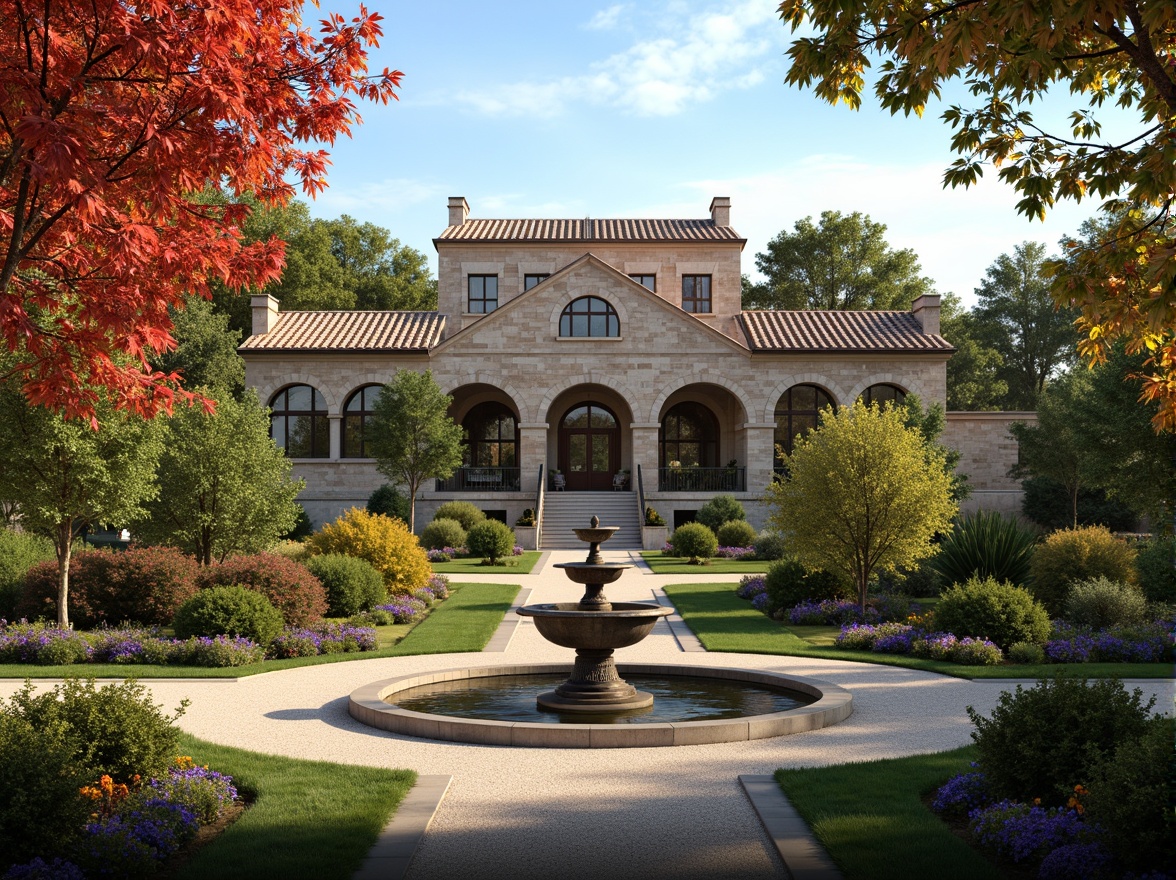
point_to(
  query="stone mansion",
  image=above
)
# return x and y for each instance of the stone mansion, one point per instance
(600, 355)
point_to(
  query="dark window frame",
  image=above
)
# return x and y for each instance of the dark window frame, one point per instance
(787, 409)
(533, 279)
(652, 286)
(896, 395)
(318, 425)
(355, 422)
(596, 307)
(490, 412)
(480, 296)
(707, 440)
(696, 294)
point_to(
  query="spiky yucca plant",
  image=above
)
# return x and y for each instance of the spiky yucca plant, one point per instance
(986, 545)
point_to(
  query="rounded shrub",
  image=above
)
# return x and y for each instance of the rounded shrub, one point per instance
(19, 551)
(789, 584)
(770, 545)
(1099, 603)
(389, 501)
(464, 512)
(720, 509)
(1156, 565)
(352, 584)
(1026, 653)
(442, 533)
(1041, 742)
(490, 539)
(694, 541)
(736, 533)
(385, 542)
(297, 594)
(229, 611)
(1078, 554)
(986, 608)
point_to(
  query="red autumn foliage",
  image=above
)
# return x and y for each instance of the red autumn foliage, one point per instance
(113, 114)
(293, 590)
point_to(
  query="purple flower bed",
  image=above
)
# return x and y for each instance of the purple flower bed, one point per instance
(1150, 643)
(962, 794)
(735, 553)
(751, 585)
(324, 638)
(832, 612)
(517, 551)
(440, 555)
(1077, 861)
(1020, 832)
(901, 638)
(39, 869)
(39, 643)
(404, 609)
(438, 585)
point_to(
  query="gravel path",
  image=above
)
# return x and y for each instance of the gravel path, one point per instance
(634, 813)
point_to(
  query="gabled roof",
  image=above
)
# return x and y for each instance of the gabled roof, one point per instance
(350, 331)
(589, 229)
(839, 331)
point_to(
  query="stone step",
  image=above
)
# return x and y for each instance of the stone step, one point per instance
(565, 511)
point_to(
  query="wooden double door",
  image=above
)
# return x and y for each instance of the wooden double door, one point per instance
(589, 447)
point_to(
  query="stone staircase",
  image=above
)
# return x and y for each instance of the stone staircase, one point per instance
(564, 511)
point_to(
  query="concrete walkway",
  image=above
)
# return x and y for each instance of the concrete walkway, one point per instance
(635, 813)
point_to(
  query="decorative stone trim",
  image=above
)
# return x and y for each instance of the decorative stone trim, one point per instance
(828, 385)
(700, 377)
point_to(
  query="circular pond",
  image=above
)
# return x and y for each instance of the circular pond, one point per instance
(692, 705)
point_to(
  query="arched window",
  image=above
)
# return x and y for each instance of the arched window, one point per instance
(589, 316)
(882, 394)
(689, 435)
(490, 432)
(357, 412)
(797, 413)
(299, 422)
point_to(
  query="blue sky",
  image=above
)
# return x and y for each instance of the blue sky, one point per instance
(648, 109)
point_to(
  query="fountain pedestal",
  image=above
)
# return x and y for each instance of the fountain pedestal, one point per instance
(595, 628)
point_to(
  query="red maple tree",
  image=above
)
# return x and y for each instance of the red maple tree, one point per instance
(114, 115)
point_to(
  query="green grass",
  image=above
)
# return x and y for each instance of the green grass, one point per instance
(871, 819)
(723, 622)
(662, 564)
(463, 622)
(308, 819)
(474, 567)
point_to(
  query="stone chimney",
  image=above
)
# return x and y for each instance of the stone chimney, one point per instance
(265, 313)
(720, 209)
(926, 312)
(459, 210)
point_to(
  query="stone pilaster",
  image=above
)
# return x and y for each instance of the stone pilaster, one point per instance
(761, 453)
(532, 453)
(336, 434)
(645, 453)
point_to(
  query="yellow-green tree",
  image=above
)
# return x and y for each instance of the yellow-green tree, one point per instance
(1009, 54)
(864, 494)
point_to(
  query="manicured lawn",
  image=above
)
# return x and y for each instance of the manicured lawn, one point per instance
(308, 819)
(871, 819)
(473, 567)
(662, 564)
(463, 622)
(724, 622)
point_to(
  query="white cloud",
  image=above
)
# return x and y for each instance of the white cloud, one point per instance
(388, 195)
(605, 19)
(698, 57)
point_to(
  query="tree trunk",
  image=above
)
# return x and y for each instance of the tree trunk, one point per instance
(412, 494)
(205, 553)
(1074, 505)
(64, 547)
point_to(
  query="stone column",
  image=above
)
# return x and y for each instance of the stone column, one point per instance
(336, 433)
(532, 453)
(645, 454)
(761, 454)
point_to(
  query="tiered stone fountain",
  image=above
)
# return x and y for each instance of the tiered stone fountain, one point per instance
(595, 628)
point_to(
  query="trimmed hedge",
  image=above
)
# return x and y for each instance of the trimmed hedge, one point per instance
(352, 584)
(989, 609)
(442, 533)
(720, 509)
(736, 533)
(229, 611)
(694, 541)
(491, 540)
(469, 515)
(789, 584)
(288, 585)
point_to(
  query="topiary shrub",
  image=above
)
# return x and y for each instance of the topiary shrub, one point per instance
(1041, 742)
(19, 551)
(1099, 603)
(653, 518)
(719, 510)
(985, 608)
(389, 501)
(490, 539)
(985, 545)
(442, 533)
(736, 533)
(770, 545)
(385, 542)
(229, 611)
(352, 584)
(694, 541)
(464, 512)
(1157, 570)
(288, 585)
(1129, 793)
(1078, 554)
(789, 584)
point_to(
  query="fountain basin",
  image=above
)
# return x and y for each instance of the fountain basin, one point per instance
(593, 573)
(565, 624)
(374, 705)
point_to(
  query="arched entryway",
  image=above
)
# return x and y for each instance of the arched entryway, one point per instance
(589, 447)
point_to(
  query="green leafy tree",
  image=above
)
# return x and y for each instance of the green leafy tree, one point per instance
(1009, 54)
(68, 474)
(224, 487)
(378, 269)
(973, 373)
(843, 263)
(414, 439)
(1053, 447)
(206, 349)
(1017, 317)
(865, 494)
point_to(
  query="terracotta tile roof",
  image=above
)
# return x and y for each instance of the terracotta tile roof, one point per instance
(836, 331)
(589, 229)
(350, 331)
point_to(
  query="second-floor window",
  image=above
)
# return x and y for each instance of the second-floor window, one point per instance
(649, 281)
(483, 294)
(530, 281)
(696, 293)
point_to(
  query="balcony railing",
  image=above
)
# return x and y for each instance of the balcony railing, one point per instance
(482, 479)
(700, 479)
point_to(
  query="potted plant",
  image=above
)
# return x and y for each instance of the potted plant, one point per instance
(527, 530)
(654, 531)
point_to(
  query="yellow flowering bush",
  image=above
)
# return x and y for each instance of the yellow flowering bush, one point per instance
(383, 541)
